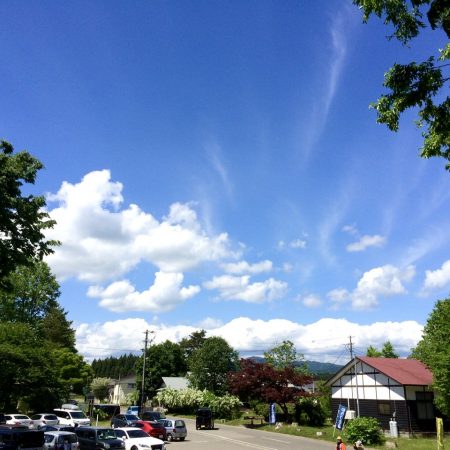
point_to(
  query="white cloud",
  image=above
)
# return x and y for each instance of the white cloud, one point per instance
(240, 288)
(100, 241)
(379, 282)
(311, 301)
(164, 295)
(439, 278)
(298, 243)
(366, 241)
(244, 267)
(321, 341)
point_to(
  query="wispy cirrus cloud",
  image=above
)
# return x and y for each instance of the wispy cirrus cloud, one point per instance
(339, 35)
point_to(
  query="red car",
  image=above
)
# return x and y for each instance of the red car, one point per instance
(154, 429)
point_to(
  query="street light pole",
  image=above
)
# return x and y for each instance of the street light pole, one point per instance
(143, 370)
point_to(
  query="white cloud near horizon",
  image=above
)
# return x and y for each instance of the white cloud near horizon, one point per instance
(239, 288)
(385, 281)
(437, 279)
(323, 340)
(101, 241)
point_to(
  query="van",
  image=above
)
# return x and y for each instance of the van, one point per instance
(72, 417)
(15, 439)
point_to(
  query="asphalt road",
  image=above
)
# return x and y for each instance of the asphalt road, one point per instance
(226, 437)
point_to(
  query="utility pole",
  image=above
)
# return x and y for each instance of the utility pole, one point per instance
(143, 370)
(350, 346)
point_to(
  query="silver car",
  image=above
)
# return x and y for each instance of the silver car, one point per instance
(60, 440)
(175, 428)
(39, 420)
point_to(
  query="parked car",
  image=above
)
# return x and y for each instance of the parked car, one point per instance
(155, 429)
(58, 427)
(72, 417)
(60, 440)
(133, 409)
(18, 419)
(152, 415)
(175, 429)
(98, 438)
(44, 419)
(20, 439)
(124, 420)
(204, 418)
(136, 439)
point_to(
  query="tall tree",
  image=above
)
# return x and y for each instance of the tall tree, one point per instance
(22, 217)
(32, 294)
(387, 351)
(265, 383)
(417, 85)
(55, 327)
(433, 350)
(193, 342)
(285, 355)
(28, 373)
(210, 364)
(162, 360)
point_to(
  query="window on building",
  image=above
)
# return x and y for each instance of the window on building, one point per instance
(384, 408)
(425, 408)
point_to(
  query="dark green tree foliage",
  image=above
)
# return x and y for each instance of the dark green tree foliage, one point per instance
(210, 364)
(434, 351)
(193, 342)
(55, 327)
(115, 366)
(163, 360)
(22, 218)
(417, 84)
(28, 372)
(387, 351)
(33, 293)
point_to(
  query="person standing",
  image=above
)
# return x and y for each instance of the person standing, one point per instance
(340, 445)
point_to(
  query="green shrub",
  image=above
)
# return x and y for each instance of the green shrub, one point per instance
(367, 429)
(100, 414)
(309, 411)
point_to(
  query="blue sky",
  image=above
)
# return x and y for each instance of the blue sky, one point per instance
(215, 165)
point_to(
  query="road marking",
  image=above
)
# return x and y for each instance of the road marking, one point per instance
(276, 440)
(245, 444)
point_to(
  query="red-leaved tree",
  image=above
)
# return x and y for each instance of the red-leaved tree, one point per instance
(262, 382)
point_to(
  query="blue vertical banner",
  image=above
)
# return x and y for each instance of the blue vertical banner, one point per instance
(272, 414)
(340, 416)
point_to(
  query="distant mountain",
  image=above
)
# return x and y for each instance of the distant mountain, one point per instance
(315, 367)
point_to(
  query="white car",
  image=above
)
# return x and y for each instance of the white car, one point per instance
(42, 419)
(18, 419)
(72, 418)
(137, 439)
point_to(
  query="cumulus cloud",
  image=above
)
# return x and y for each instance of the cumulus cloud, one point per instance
(439, 278)
(244, 267)
(311, 301)
(239, 288)
(164, 295)
(101, 241)
(365, 242)
(322, 340)
(379, 282)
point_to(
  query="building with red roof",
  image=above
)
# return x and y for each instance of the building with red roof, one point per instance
(387, 389)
